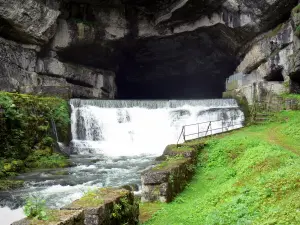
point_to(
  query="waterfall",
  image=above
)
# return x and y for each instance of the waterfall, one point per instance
(136, 127)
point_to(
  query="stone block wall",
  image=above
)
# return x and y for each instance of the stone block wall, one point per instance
(105, 206)
(168, 178)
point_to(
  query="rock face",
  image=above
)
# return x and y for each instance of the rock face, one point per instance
(270, 65)
(74, 48)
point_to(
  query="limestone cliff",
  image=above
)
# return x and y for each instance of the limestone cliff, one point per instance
(82, 48)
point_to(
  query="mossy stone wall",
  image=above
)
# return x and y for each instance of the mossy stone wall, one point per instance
(113, 207)
(168, 178)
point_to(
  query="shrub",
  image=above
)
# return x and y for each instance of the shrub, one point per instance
(35, 207)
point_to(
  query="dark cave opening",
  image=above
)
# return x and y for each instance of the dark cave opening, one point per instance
(295, 83)
(275, 75)
(192, 65)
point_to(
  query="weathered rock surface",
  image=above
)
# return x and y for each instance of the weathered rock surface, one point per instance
(270, 65)
(29, 21)
(146, 43)
(22, 70)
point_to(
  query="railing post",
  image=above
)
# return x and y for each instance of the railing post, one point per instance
(184, 133)
(222, 125)
(198, 130)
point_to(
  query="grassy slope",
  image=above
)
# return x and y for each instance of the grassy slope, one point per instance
(250, 176)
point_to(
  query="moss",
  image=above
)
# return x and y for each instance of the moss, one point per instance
(170, 163)
(297, 31)
(92, 198)
(97, 197)
(275, 31)
(180, 148)
(6, 185)
(56, 217)
(296, 9)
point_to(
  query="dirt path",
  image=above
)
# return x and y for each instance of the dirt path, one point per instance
(273, 138)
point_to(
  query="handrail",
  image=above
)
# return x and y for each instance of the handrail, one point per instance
(209, 128)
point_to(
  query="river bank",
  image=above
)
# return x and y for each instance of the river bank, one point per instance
(247, 176)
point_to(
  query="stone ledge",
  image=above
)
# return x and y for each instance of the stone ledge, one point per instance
(61, 217)
(105, 206)
(117, 207)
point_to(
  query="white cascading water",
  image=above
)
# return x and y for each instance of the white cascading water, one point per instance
(114, 142)
(132, 127)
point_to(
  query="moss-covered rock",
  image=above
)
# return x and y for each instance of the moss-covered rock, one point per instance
(107, 206)
(58, 217)
(6, 185)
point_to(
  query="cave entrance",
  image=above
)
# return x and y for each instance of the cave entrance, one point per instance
(295, 83)
(188, 66)
(275, 75)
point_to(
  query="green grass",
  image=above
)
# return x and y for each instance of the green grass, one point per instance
(147, 209)
(250, 176)
(291, 96)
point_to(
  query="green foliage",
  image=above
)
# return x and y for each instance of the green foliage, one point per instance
(35, 207)
(92, 197)
(297, 32)
(7, 185)
(250, 176)
(122, 210)
(46, 159)
(291, 96)
(25, 126)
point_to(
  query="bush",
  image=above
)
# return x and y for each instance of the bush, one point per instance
(35, 207)
(25, 123)
(46, 159)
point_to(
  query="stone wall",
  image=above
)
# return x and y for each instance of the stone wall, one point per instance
(168, 178)
(105, 206)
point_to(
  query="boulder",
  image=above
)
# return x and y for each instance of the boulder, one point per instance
(29, 21)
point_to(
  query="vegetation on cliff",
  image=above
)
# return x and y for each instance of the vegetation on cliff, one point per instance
(26, 138)
(250, 176)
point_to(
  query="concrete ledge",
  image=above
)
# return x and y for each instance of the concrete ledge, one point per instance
(164, 181)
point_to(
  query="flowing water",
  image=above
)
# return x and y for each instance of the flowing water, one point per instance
(113, 141)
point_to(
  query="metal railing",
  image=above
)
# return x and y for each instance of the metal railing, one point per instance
(226, 125)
